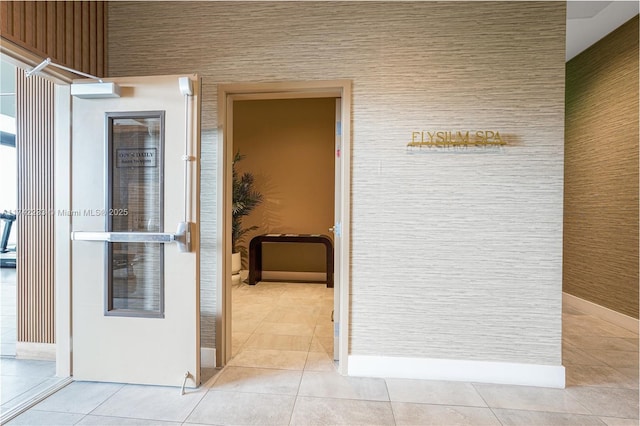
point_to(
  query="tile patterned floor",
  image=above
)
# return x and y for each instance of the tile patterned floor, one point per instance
(8, 313)
(283, 374)
(20, 379)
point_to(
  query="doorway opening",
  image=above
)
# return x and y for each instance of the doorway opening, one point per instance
(306, 191)
(34, 361)
(285, 147)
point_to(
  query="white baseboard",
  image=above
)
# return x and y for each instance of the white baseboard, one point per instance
(599, 311)
(38, 351)
(552, 376)
(294, 276)
(208, 357)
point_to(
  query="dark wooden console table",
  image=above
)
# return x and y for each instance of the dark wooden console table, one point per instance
(255, 252)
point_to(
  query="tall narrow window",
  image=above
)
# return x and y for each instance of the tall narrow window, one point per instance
(135, 204)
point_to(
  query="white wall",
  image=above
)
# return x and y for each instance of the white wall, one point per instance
(454, 255)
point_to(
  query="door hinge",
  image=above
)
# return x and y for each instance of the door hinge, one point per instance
(336, 329)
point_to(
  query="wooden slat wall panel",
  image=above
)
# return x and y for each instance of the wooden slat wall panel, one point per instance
(69, 36)
(60, 34)
(92, 36)
(41, 26)
(77, 35)
(601, 173)
(101, 38)
(5, 10)
(455, 256)
(85, 54)
(71, 33)
(35, 223)
(19, 21)
(29, 27)
(52, 16)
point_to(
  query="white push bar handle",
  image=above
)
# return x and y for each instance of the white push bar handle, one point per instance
(124, 237)
(182, 237)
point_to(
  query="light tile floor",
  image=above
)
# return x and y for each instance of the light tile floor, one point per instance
(20, 379)
(8, 314)
(283, 374)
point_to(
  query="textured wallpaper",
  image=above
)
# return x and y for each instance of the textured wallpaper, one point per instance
(601, 173)
(453, 254)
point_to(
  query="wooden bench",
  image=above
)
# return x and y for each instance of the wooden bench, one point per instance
(255, 252)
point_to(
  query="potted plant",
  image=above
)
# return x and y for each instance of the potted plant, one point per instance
(245, 199)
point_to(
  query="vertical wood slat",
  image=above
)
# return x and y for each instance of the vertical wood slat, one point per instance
(92, 37)
(14, 26)
(85, 54)
(73, 33)
(19, 20)
(35, 224)
(69, 33)
(16, 20)
(29, 23)
(60, 39)
(6, 12)
(50, 17)
(101, 39)
(40, 29)
(77, 35)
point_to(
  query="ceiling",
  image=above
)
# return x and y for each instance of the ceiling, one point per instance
(589, 21)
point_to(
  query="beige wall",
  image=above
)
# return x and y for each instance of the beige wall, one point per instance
(289, 147)
(601, 173)
(453, 255)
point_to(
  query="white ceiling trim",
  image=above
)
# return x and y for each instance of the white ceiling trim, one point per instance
(583, 31)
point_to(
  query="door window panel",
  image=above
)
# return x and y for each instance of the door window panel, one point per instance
(135, 282)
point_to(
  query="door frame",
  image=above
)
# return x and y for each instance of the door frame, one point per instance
(23, 58)
(227, 94)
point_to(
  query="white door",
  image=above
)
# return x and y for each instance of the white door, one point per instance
(135, 289)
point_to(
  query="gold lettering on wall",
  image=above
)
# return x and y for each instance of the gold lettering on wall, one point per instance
(458, 138)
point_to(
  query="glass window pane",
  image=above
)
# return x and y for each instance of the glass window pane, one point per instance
(135, 205)
(136, 276)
